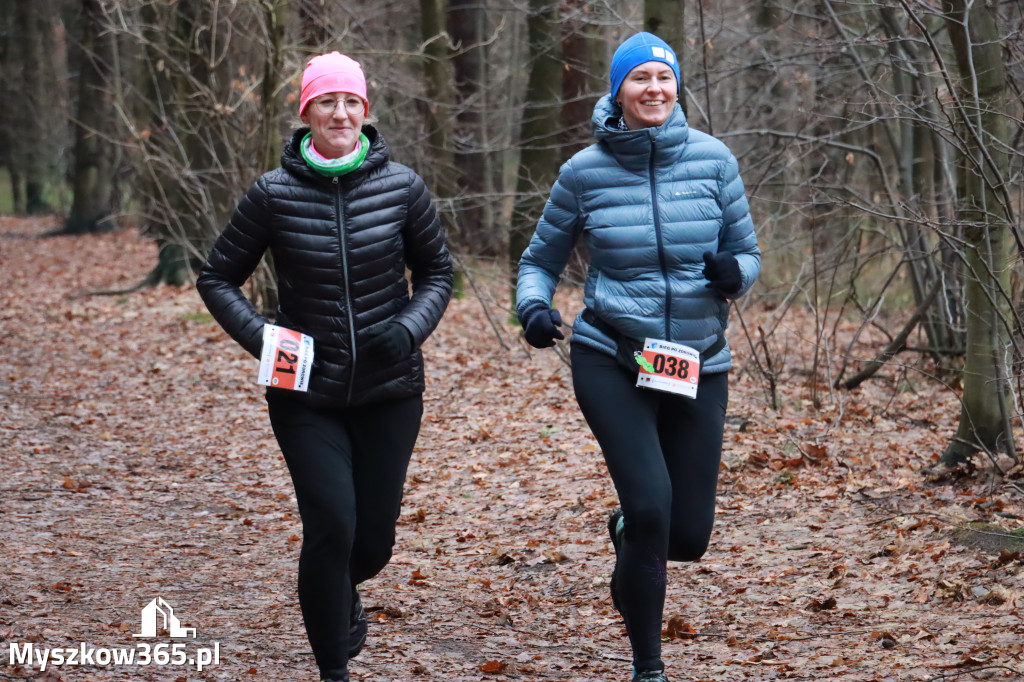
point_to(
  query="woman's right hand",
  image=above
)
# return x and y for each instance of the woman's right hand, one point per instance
(541, 326)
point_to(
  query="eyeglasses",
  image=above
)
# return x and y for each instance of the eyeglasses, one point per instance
(328, 105)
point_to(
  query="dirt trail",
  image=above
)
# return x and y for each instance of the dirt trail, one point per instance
(138, 463)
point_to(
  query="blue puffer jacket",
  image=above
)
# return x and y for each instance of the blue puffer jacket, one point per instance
(648, 203)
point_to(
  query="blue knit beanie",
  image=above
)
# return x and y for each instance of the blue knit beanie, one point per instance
(640, 49)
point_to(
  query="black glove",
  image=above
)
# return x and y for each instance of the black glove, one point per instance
(394, 344)
(540, 326)
(722, 271)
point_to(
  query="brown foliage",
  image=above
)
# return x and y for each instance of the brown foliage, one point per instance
(138, 462)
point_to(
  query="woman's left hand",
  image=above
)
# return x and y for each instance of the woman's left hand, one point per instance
(722, 271)
(394, 344)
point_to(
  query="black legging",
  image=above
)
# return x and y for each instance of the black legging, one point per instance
(348, 468)
(662, 452)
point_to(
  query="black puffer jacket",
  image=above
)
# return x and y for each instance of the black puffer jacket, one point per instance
(340, 247)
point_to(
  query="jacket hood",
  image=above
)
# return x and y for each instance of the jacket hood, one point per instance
(632, 148)
(292, 161)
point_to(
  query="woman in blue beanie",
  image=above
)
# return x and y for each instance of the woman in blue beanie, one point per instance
(663, 212)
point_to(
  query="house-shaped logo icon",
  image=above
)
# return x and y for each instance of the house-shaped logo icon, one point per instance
(170, 621)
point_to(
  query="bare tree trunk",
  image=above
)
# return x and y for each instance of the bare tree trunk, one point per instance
(96, 148)
(539, 156)
(437, 115)
(666, 19)
(38, 116)
(7, 94)
(464, 26)
(194, 147)
(275, 19)
(577, 101)
(983, 208)
(438, 108)
(912, 88)
(157, 187)
(275, 16)
(315, 22)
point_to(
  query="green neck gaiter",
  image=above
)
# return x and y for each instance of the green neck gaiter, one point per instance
(332, 168)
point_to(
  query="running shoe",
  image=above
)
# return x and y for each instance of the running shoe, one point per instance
(613, 530)
(357, 626)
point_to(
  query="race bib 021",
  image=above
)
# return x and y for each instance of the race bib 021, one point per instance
(669, 367)
(286, 359)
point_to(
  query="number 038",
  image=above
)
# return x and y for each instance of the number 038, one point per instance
(669, 365)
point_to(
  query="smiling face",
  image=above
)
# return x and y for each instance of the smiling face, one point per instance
(648, 95)
(335, 130)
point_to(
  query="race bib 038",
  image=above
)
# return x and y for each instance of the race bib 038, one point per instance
(669, 367)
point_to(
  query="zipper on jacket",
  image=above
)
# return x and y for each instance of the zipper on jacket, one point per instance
(661, 245)
(348, 289)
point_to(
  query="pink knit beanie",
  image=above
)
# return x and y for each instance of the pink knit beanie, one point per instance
(332, 72)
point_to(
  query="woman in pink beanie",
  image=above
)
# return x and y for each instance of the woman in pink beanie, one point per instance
(335, 87)
(344, 223)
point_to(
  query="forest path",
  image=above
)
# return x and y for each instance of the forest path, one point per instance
(138, 463)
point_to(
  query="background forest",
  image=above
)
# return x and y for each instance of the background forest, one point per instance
(881, 144)
(882, 147)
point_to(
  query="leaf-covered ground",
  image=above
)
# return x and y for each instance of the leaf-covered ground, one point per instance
(137, 462)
